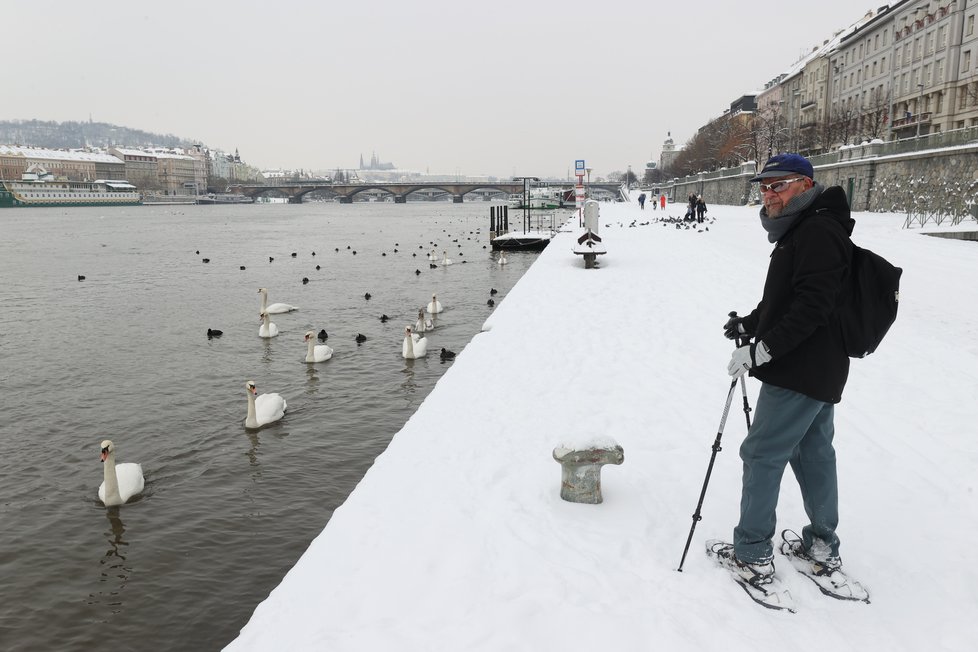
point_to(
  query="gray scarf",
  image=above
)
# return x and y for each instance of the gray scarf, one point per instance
(776, 227)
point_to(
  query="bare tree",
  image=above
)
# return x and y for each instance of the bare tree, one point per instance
(972, 91)
(770, 130)
(843, 123)
(875, 115)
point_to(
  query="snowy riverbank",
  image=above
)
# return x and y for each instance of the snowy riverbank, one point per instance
(457, 539)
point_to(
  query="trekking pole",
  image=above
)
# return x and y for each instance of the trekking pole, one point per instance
(743, 387)
(716, 449)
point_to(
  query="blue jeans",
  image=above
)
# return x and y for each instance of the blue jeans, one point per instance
(788, 428)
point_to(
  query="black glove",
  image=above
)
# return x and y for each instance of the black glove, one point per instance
(734, 328)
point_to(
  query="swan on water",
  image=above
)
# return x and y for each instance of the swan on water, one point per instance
(432, 256)
(267, 328)
(414, 345)
(435, 306)
(275, 308)
(423, 324)
(502, 258)
(316, 352)
(121, 481)
(445, 260)
(263, 409)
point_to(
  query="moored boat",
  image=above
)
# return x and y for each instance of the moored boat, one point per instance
(224, 198)
(37, 187)
(540, 198)
(521, 241)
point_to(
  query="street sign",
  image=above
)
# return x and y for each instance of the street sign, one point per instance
(579, 166)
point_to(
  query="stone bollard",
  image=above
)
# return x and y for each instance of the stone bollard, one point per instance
(580, 480)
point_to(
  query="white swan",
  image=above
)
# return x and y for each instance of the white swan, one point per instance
(267, 328)
(275, 308)
(423, 324)
(317, 352)
(414, 345)
(445, 260)
(122, 481)
(432, 256)
(435, 306)
(502, 258)
(263, 409)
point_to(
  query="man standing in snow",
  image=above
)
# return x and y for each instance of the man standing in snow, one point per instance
(799, 357)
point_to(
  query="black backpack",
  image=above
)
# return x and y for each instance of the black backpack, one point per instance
(869, 304)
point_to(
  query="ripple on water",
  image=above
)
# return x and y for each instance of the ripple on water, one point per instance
(124, 355)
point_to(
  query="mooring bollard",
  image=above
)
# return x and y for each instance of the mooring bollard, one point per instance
(580, 480)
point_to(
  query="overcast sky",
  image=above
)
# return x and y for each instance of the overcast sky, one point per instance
(447, 86)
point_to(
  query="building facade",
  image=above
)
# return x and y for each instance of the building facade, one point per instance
(66, 165)
(141, 167)
(903, 70)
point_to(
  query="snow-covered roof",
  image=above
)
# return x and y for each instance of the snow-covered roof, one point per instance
(830, 44)
(170, 155)
(126, 151)
(56, 154)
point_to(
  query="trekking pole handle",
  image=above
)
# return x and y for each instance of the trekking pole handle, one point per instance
(738, 341)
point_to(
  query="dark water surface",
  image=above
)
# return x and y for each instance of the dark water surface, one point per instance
(124, 355)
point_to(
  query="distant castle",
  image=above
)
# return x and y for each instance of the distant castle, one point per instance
(375, 164)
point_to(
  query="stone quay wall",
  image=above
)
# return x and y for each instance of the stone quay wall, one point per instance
(873, 180)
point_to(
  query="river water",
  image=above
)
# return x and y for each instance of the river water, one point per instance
(124, 355)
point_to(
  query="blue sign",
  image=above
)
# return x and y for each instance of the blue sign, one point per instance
(579, 165)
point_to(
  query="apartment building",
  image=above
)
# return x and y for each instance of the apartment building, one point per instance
(859, 70)
(141, 167)
(177, 173)
(965, 97)
(904, 69)
(70, 165)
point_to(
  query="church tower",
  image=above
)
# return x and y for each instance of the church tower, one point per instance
(669, 153)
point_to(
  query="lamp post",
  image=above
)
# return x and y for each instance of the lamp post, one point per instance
(920, 102)
(526, 198)
(588, 170)
(795, 119)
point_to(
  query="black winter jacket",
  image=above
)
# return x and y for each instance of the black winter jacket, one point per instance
(796, 317)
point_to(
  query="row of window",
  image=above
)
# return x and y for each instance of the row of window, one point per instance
(89, 195)
(924, 45)
(873, 44)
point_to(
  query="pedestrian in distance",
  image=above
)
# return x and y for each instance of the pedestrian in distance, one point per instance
(641, 201)
(690, 208)
(700, 209)
(655, 202)
(662, 202)
(800, 358)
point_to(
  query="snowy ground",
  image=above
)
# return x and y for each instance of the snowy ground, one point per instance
(457, 538)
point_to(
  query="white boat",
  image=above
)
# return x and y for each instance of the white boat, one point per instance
(545, 198)
(37, 187)
(224, 198)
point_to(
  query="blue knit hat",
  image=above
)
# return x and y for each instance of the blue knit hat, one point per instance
(784, 164)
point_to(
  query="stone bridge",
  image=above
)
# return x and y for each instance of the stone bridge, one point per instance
(295, 191)
(347, 191)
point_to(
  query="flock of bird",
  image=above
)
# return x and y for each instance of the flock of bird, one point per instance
(121, 482)
(679, 222)
(124, 481)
